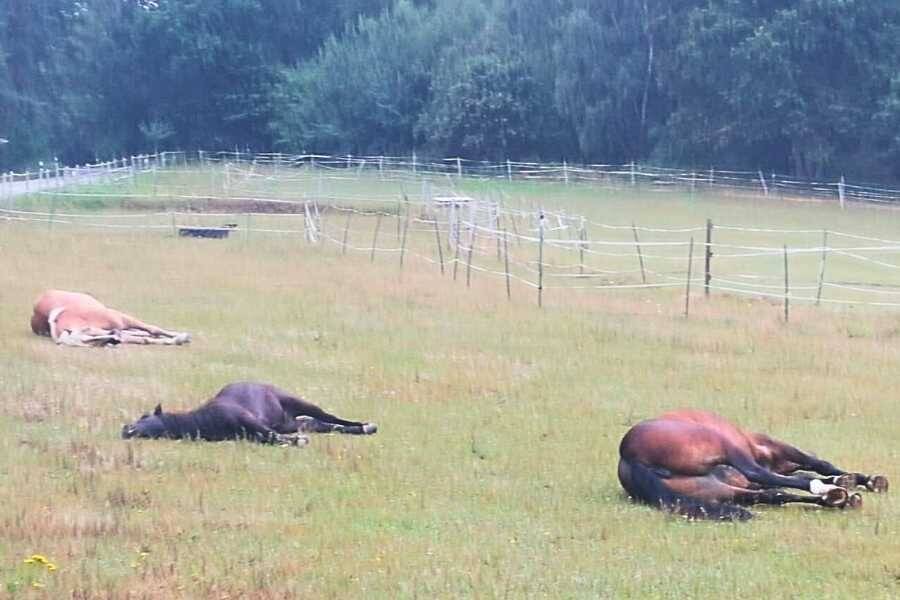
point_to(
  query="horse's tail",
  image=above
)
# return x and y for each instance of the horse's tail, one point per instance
(644, 484)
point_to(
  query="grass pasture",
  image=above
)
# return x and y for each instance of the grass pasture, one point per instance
(493, 472)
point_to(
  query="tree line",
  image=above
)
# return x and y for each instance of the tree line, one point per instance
(808, 87)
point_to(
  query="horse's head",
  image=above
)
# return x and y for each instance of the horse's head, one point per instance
(148, 426)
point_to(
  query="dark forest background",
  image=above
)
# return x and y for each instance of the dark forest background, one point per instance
(807, 87)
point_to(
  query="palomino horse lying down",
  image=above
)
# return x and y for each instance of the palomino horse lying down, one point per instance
(76, 319)
(255, 411)
(699, 465)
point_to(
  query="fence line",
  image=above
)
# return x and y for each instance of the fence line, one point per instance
(411, 168)
(555, 267)
(630, 174)
(571, 259)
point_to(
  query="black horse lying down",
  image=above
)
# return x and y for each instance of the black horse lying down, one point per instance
(255, 411)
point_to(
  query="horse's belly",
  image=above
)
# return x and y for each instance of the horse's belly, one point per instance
(679, 448)
(697, 459)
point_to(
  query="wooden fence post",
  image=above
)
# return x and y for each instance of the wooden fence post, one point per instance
(687, 289)
(469, 260)
(307, 224)
(437, 239)
(822, 267)
(320, 222)
(403, 242)
(375, 236)
(841, 191)
(346, 232)
(399, 216)
(786, 287)
(707, 275)
(541, 261)
(456, 251)
(497, 229)
(506, 265)
(582, 235)
(637, 244)
(762, 181)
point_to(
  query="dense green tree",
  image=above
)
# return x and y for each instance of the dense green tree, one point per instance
(34, 36)
(806, 86)
(364, 90)
(89, 78)
(482, 104)
(781, 84)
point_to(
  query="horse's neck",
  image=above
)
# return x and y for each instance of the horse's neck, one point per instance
(181, 424)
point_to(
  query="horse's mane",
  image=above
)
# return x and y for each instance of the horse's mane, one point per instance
(183, 425)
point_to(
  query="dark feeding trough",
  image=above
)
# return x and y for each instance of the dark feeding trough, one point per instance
(219, 232)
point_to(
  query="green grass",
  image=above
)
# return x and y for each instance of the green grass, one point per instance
(493, 472)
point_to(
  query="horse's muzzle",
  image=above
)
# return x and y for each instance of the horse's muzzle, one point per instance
(128, 431)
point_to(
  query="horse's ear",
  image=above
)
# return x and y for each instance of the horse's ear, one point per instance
(158, 410)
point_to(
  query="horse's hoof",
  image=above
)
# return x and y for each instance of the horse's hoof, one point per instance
(836, 497)
(298, 440)
(854, 501)
(846, 481)
(182, 338)
(877, 483)
(285, 440)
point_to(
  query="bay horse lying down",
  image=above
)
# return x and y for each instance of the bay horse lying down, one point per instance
(699, 465)
(254, 411)
(76, 319)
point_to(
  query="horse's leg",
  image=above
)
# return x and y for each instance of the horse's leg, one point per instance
(134, 323)
(756, 473)
(139, 336)
(307, 424)
(787, 459)
(255, 430)
(834, 498)
(310, 424)
(87, 336)
(726, 484)
(312, 418)
(754, 494)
